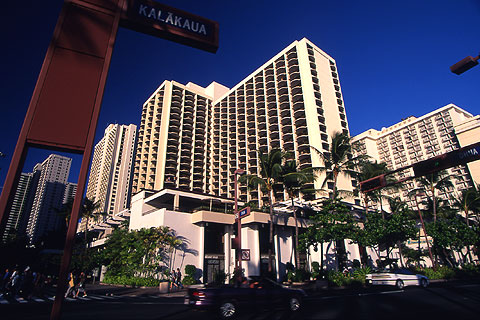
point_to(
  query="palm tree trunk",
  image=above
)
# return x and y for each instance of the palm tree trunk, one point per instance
(434, 204)
(297, 255)
(335, 176)
(270, 249)
(399, 245)
(321, 257)
(86, 231)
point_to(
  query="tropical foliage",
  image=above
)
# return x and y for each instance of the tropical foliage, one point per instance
(270, 176)
(339, 160)
(139, 252)
(334, 222)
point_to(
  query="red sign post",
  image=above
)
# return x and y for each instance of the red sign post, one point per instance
(65, 105)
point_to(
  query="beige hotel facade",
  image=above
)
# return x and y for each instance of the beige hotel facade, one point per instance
(192, 139)
(110, 178)
(416, 139)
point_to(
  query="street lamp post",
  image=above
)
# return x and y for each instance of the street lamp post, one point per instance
(424, 231)
(464, 64)
(239, 228)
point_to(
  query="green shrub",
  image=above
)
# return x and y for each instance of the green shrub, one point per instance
(189, 280)
(301, 275)
(316, 274)
(467, 271)
(131, 281)
(338, 279)
(440, 273)
(190, 270)
(360, 274)
(290, 275)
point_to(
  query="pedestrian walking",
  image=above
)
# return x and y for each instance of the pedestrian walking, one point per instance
(81, 285)
(14, 283)
(178, 279)
(5, 278)
(71, 285)
(173, 280)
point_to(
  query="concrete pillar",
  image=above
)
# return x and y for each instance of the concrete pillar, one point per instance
(176, 202)
(227, 248)
(250, 240)
(201, 250)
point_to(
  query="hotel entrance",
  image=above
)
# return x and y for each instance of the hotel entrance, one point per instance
(214, 263)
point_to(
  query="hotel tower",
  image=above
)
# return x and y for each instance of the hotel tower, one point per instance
(110, 174)
(194, 138)
(416, 139)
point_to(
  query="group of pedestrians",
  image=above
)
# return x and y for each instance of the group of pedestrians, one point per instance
(76, 285)
(26, 283)
(176, 280)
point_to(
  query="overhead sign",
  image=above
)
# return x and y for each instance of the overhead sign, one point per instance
(243, 213)
(159, 20)
(245, 254)
(448, 160)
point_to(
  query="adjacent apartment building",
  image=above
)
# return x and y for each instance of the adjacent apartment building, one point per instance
(110, 178)
(192, 139)
(19, 206)
(48, 187)
(416, 139)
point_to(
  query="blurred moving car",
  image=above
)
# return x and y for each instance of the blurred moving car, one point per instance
(397, 277)
(254, 294)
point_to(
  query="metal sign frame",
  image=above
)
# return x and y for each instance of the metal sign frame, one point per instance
(71, 85)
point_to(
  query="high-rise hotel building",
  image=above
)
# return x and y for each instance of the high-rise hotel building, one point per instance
(49, 180)
(416, 139)
(110, 176)
(19, 205)
(194, 138)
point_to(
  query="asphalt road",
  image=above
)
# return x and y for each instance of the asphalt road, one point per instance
(453, 300)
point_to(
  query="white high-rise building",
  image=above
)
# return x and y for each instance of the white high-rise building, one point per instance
(194, 138)
(416, 139)
(19, 205)
(110, 174)
(52, 175)
(70, 192)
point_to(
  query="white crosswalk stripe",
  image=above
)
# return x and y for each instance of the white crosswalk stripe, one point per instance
(90, 297)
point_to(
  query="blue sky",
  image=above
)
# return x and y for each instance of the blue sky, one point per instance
(393, 57)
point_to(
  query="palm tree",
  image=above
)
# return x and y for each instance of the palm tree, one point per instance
(296, 181)
(398, 206)
(90, 210)
(435, 181)
(339, 160)
(270, 175)
(468, 200)
(368, 170)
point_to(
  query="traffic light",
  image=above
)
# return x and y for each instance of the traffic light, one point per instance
(373, 183)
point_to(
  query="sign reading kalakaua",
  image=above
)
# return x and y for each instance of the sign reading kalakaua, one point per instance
(157, 19)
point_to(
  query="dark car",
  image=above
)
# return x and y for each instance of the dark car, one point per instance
(255, 294)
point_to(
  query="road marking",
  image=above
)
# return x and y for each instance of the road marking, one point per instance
(362, 294)
(38, 300)
(469, 285)
(3, 301)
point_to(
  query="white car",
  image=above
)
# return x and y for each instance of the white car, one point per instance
(396, 277)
